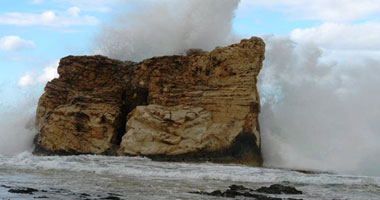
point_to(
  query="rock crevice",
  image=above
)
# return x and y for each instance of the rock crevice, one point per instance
(203, 106)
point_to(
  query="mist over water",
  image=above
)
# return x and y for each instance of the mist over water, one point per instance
(151, 28)
(17, 128)
(315, 114)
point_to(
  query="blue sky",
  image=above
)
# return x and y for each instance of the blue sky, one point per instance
(35, 34)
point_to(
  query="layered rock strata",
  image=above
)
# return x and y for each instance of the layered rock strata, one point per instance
(199, 107)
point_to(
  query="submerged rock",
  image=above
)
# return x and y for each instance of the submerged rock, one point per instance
(235, 191)
(22, 190)
(279, 189)
(53, 193)
(199, 107)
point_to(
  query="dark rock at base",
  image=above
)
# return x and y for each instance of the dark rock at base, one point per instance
(237, 191)
(54, 192)
(111, 197)
(279, 189)
(239, 187)
(241, 191)
(216, 193)
(114, 194)
(234, 194)
(23, 190)
(84, 195)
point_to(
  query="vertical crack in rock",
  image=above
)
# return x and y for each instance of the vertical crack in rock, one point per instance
(200, 107)
(138, 97)
(123, 120)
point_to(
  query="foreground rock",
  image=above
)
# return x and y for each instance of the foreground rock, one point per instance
(54, 193)
(22, 190)
(200, 107)
(279, 189)
(235, 191)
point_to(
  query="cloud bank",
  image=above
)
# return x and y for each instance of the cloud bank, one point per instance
(341, 36)
(70, 17)
(325, 10)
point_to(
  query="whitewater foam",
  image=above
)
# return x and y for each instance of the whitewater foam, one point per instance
(91, 174)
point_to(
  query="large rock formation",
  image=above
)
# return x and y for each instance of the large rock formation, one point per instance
(203, 106)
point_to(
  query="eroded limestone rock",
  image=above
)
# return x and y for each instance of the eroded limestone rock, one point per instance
(203, 106)
(83, 111)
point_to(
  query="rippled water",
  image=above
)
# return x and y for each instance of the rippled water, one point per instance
(140, 178)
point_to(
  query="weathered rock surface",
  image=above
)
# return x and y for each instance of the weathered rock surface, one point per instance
(203, 106)
(83, 111)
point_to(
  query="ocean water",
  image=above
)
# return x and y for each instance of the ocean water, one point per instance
(96, 177)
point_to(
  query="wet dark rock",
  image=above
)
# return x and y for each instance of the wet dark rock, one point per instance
(279, 189)
(52, 193)
(237, 191)
(234, 194)
(6, 186)
(114, 194)
(84, 195)
(59, 191)
(217, 193)
(22, 190)
(239, 187)
(111, 197)
(241, 191)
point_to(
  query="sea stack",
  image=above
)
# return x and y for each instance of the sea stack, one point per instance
(203, 106)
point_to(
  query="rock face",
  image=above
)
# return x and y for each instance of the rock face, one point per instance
(203, 106)
(83, 111)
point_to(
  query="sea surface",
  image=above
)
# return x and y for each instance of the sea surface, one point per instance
(96, 177)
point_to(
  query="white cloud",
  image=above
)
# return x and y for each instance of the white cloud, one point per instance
(13, 43)
(74, 11)
(92, 5)
(341, 36)
(50, 72)
(70, 17)
(37, 1)
(326, 10)
(26, 80)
